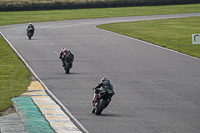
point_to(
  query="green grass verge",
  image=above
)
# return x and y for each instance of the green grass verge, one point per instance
(7, 18)
(14, 77)
(174, 34)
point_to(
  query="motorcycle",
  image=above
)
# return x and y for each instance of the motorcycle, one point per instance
(30, 32)
(67, 62)
(104, 98)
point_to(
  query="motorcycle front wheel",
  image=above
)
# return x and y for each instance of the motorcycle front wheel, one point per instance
(67, 67)
(29, 36)
(100, 107)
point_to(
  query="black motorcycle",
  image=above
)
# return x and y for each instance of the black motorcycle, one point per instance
(30, 32)
(67, 62)
(104, 98)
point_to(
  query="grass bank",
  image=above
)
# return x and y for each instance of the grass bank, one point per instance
(14, 77)
(98, 3)
(175, 34)
(8, 18)
(55, 2)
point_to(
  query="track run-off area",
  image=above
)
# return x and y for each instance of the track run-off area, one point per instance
(156, 89)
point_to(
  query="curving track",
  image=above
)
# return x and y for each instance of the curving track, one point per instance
(157, 90)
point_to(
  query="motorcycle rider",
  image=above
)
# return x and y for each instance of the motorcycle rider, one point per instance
(104, 84)
(30, 26)
(65, 54)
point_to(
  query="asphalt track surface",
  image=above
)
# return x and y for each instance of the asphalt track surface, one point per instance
(157, 90)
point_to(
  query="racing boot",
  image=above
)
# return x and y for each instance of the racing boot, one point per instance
(94, 103)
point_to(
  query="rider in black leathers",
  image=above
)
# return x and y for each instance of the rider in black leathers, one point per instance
(104, 84)
(31, 26)
(66, 53)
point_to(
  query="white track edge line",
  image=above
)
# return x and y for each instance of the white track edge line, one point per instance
(148, 43)
(51, 94)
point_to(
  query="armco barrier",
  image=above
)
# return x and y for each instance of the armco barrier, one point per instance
(99, 5)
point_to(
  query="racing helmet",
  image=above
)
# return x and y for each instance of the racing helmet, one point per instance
(103, 79)
(63, 49)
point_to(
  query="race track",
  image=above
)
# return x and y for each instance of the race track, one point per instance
(157, 90)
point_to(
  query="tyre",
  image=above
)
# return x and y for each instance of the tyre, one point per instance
(67, 67)
(100, 107)
(29, 36)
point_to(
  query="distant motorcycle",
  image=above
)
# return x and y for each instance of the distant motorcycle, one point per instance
(67, 62)
(30, 32)
(104, 98)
